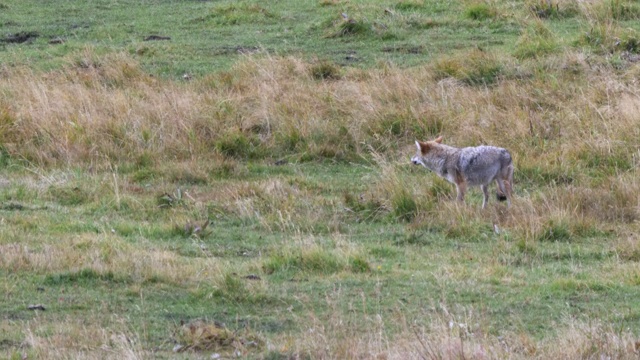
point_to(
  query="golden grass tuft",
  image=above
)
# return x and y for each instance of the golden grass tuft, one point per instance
(201, 335)
(475, 67)
(536, 40)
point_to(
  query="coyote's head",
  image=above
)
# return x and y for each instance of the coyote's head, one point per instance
(423, 149)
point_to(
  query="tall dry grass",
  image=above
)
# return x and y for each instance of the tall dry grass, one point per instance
(102, 110)
(569, 121)
(79, 339)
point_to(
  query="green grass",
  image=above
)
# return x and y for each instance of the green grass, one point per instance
(214, 35)
(265, 206)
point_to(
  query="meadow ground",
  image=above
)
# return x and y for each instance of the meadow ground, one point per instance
(240, 183)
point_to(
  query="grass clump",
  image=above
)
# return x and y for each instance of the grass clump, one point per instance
(408, 5)
(352, 27)
(605, 32)
(336, 144)
(7, 121)
(5, 158)
(404, 205)
(609, 163)
(395, 125)
(553, 9)
(313, 260)
(349, 26)
(238, 14)
(612, 201)
(536, 41)
(291, 140)
(468, 230)
(316, 261)
(236, 144)
(143, 175)
(480, 11)
(234, 289)
(325, 70)
(365, 209)
(474, 68)
(203, 335)
(536, 175)
(69, 195)
(358, 264)
(174, 199)
(84, 277)
(396, 192)
(441, 189)
(188, 176)
(555, 230)
(329, 2)
(621, 9)
(609, 38)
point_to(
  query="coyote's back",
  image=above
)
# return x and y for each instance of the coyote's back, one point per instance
(470, 166)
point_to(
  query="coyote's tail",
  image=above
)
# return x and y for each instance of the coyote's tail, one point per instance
(500, 195)
(505, 182)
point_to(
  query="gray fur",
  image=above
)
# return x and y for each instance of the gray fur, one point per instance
(469, 166)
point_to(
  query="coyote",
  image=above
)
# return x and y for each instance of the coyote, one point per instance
(470, 166)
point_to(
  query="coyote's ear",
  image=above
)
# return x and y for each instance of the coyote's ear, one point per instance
(438, 139)
(422, 147)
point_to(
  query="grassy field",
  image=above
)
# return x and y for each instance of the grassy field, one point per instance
(239, 185)
(198, 37)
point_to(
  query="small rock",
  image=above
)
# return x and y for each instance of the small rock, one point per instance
(36, 307)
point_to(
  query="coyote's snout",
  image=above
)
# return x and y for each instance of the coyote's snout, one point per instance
(470, 166)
